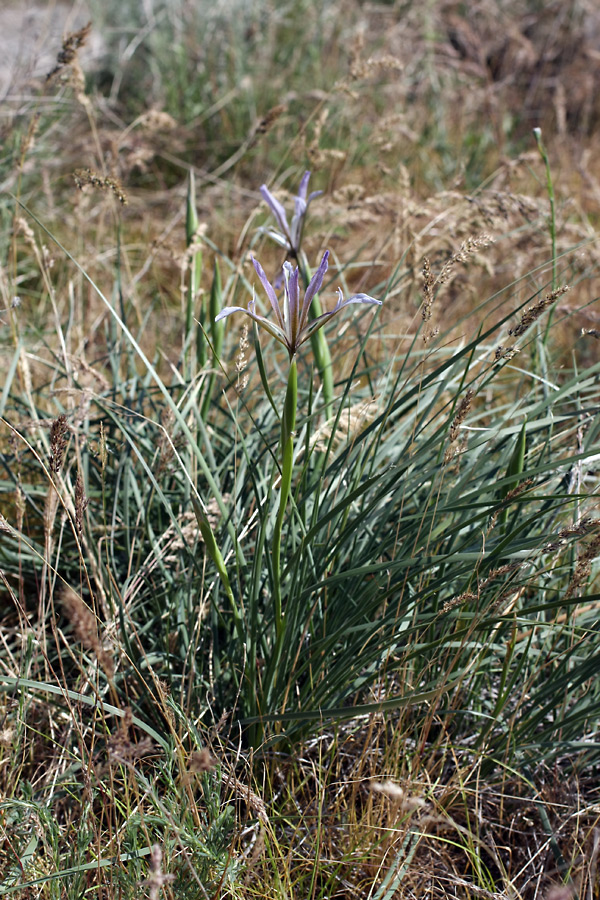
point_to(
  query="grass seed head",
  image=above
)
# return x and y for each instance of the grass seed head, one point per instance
(202, 761)
(272, 115)
(83, 177)
(85, 628)
(461, 413)
(59, 431)
(81, 502)
(583, 567)
(157, 879)
(532, 313)
(67, 55)
(241, 361)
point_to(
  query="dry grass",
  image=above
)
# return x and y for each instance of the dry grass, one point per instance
(364, 806)
(403, 206)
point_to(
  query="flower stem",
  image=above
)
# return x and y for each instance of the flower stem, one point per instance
(320, 349)
(288, 423)
(191, 228)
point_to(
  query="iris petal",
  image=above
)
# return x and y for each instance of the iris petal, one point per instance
(270, 292)
(304, 185)
(291, 236)
(314, 287)
(227, 310)
(277, 209)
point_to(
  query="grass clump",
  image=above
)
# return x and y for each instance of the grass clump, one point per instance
(307, 616)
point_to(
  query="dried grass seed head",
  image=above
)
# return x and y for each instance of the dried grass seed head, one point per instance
(202, 761)
(506, 353)
(428, 285)
(154, 120)
(241, 361)
(268, 120)
(532, 313)
(67, 55)
(345, 427)
(461, 413)
(83, 177)
(583, 568)
(81, 503)
(59, 431)
(85, 628)
(398, 795)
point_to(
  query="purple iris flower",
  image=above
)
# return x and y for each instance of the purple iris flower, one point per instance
(291, 326)
(290, 236)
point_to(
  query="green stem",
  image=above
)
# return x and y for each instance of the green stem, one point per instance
(320, 349)
(550, 188)
(288, 423)
(215, 554)
(217, 331)
(191, 229)
(537, 133)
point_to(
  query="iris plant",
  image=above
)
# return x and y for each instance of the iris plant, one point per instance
(290, 326)
(292, 322)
